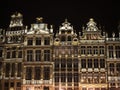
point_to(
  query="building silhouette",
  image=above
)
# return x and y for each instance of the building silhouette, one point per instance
(35, 58)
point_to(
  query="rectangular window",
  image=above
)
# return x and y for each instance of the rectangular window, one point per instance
(13, 70)
(118, 68)
(69, 77)
(84, 88)
(111, 66)
(76, 77)
(38, 40)
(19, 69)
(96, 63)
(37, 73)
(110, 48)
(69, 65)
(46, 88)
(102, 63)
(8, 55)
(63, 64)
(46, 75)
(47, 41)
(89, 50)
(30, 41)
(18, 84)
(63, 77)
(83, 63)
(38, 55)
(0, 53)
(75, 64)
(19, 54)
(28, 73)
(95, 50)
(7, 69)
(117, 51)
(56, 77)
(13, 54)
(101, 49)
(57, 64)
(46, 55)
(29, 55)
(83, 50)
(89, 63)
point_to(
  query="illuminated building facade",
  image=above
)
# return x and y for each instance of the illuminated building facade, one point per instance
(35, 58)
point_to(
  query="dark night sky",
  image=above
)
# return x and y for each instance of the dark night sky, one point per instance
(105, 12)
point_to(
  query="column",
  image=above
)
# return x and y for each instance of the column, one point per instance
(33, 74)
(16, 70)
(114, 53)
(24, 73)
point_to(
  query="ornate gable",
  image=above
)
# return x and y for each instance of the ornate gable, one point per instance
(91, 32)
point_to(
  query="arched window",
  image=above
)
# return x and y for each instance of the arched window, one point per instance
(63, 38)
(69, 38)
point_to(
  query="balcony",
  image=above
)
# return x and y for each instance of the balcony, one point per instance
(38, 82)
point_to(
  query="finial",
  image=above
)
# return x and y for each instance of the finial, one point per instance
(66, 20)
(91, 19)
(39, 19)
(113, 34)
(51, 26)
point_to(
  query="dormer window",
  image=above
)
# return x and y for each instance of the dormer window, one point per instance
(63, 32)
(69, 31)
